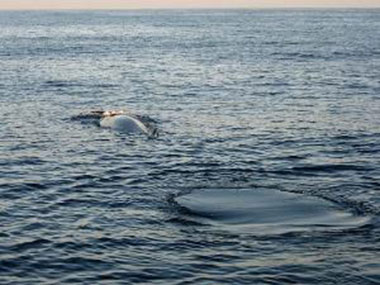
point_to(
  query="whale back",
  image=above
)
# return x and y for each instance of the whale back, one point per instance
(124, 123)
(120, 120)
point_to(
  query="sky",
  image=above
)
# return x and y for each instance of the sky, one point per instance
(165, 4)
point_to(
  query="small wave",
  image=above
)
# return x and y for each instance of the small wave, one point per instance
(62, 83)
(330, 168)
(23, 246)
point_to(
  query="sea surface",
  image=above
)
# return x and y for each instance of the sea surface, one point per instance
(266, 169)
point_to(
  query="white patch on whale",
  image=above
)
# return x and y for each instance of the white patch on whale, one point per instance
(265, 211)
(124, 123)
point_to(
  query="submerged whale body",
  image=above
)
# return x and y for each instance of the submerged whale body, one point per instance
(265, 211)
(121, 121)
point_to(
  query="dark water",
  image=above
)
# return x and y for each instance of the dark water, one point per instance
(282, 106)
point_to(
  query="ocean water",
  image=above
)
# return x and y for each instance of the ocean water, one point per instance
(268, 120)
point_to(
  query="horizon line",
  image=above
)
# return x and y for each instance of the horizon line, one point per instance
(182, 4)
(311, 7)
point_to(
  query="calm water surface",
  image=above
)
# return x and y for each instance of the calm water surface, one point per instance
(284, 103)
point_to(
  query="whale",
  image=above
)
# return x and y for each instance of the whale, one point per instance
(124, 123)
(120, 121)
(264, 211)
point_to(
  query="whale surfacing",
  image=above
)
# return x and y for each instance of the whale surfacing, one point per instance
(264, 211)
(124, 123)
(121, 121)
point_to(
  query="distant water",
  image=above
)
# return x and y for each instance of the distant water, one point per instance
(266, 171)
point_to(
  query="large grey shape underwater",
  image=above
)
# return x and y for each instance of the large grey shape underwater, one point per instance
(279, 102)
